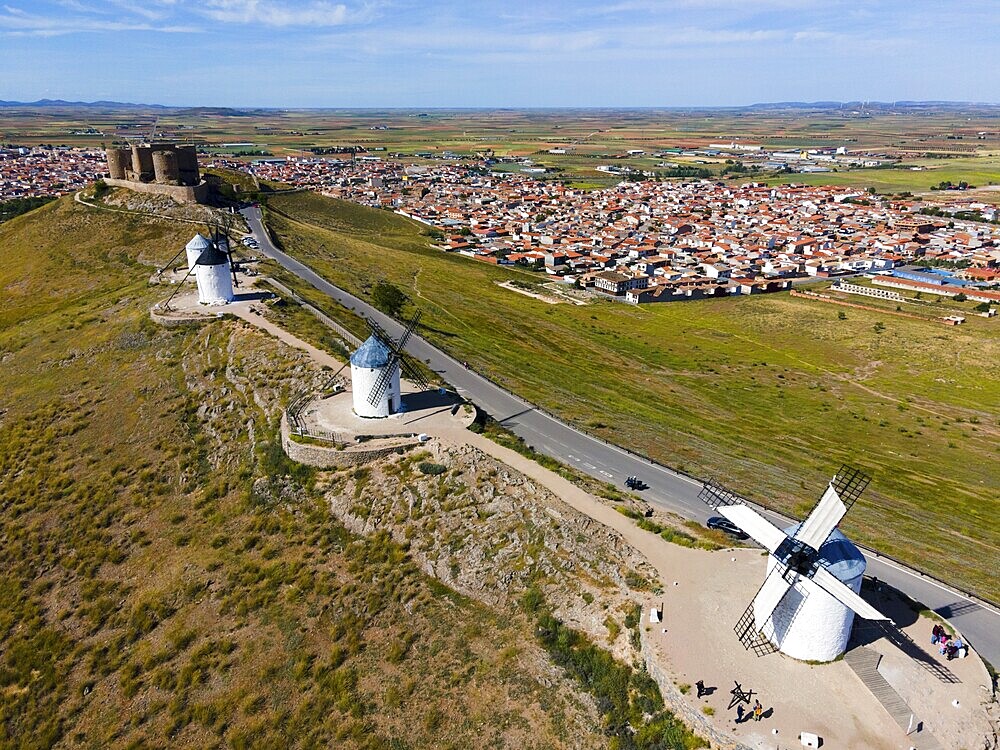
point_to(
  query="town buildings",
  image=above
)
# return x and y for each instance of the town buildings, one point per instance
(652, 241)
(639, 241)
(31, 172)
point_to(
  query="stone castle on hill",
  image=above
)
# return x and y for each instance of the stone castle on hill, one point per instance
(160, 168)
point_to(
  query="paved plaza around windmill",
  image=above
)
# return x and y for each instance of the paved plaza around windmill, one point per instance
(695, 641)
(434, 413)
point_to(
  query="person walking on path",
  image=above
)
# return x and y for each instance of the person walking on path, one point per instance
(700, 684)
(758, 711)
(739, 714)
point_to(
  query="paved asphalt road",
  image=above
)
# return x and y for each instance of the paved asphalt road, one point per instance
(667, 489)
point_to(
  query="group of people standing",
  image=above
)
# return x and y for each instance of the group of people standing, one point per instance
(756, 713)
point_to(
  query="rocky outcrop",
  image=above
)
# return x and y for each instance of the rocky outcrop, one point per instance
(491, 533)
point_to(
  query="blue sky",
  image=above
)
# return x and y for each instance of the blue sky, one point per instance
(492, 53)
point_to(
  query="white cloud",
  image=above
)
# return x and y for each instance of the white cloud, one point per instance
(143, 8)
(270, 13)
(815, 36)
(17, 22)
(472, 44)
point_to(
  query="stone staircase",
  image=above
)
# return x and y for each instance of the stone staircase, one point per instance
(864, 661)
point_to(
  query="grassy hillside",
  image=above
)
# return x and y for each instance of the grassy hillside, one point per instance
(168, 579)
(770, 394)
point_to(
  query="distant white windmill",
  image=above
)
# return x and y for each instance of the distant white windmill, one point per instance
(806, 605)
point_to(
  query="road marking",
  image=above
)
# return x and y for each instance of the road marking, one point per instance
(606, 473)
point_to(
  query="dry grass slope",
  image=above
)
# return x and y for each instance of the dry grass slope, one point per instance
(168, 579)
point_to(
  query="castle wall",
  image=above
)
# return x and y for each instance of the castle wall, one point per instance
(187, 165)
(164, 163)
(180, 193)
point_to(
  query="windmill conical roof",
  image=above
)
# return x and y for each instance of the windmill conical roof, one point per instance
(198, 242)
(212, 256)
(373, 353)
(838, 554)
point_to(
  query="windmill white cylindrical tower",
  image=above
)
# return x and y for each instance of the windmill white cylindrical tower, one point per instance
(195, 248)
(368, 365)
(821, 627)
(215, 279)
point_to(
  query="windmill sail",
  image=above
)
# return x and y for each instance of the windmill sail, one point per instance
(771, 593)
(751, 625)
(398, 361)
(842, 492)
(413, 374)
(765, 533)
(714, 494)
(384, 379)
(833, 586)
(823, 519)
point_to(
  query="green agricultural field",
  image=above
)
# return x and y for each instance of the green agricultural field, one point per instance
(769, 394)
(980, 171)
(949, 143)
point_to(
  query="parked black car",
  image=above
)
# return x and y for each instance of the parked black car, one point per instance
(726, 526)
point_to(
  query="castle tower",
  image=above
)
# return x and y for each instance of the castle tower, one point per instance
(142, 164)
(165, 167)
(119, 162)
(187, 164)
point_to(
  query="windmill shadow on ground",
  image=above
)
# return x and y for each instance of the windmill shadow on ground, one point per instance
(252, 296)
(429, 399)
(512, 419)
(955, 609)
(904, 612)
(440, 331)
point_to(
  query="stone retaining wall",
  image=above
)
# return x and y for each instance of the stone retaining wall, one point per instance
(675, 701)
(331, 458)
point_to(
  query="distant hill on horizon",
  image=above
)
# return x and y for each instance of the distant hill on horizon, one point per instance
(64, 103)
